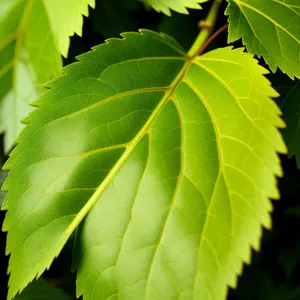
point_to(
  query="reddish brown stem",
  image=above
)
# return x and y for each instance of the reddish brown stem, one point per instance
(210, 39)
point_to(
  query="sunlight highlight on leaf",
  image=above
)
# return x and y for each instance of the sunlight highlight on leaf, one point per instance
(166, 163)
(180, 6)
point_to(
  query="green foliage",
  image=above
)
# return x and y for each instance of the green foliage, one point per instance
(186, 160)
(173, 27)
(32, 33)
(289, 103)
(270, 28)
(177, 5)
(42, 290)
(157, 162)
(3, 175)
(65, 24)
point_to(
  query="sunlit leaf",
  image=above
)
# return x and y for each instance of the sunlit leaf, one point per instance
(269, 28)
(180, 6)
(169, 160)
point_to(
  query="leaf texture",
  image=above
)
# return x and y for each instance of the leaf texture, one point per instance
(289, 103)
(180, 6)
(169, 160)
(269, 28)
(30, 42)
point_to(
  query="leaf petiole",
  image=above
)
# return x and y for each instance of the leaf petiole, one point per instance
(207, 26)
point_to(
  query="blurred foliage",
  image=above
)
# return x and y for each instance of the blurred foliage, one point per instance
(41, 289)
(275, 271)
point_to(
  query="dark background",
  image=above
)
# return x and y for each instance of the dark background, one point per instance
(275, 272)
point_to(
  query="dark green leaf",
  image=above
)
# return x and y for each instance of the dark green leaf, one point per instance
(42, 290)
(269, 28)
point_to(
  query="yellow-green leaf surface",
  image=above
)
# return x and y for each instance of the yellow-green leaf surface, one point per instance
(66, 18)
(180, 6)
(42, 290)
(166, 162)
(31, 40)
(268, 28)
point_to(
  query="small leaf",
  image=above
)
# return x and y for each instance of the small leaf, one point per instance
(42, 290)
(179, 6)
(65, 18)
(269, 28)
(170, 160)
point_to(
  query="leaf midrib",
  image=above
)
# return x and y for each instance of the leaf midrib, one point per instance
(129, 149)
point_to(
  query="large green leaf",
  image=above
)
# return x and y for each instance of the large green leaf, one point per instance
(42, 290)
(170, 160)
(270, 28)
(289, 102)
(31, 36)
(180, 6)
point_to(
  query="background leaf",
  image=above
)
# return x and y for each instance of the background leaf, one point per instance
(28, 59)
(171, 162)
(269, 28)
(31, 36)
(289, 102)
(180, 6)
(65, 18)
(173, 27)
(42, 290)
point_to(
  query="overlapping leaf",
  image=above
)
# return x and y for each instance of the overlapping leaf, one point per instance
(65, 18)
(3, 175)
(289, 102)
(180, 6)
(173, 27)
(171, 161)
(42, 290)
(270, 28)
(32, 33)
